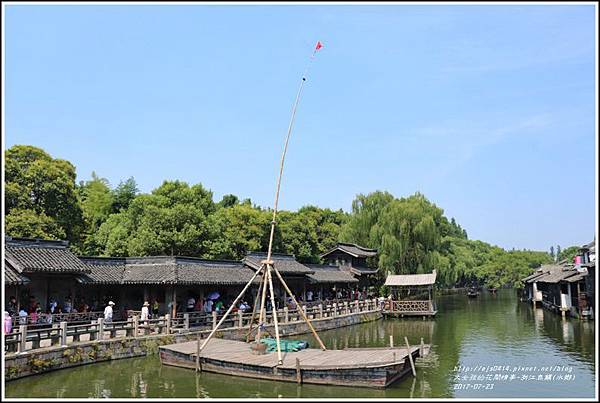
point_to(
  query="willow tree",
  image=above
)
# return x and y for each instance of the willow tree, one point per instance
(405, 231)
(409, 234)
(361, 227)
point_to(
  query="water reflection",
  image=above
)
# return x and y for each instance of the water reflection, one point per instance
(486, 331)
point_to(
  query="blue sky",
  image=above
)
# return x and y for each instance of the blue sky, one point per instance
(487, 110)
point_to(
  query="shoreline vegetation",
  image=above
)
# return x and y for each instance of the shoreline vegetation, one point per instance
(412, 234)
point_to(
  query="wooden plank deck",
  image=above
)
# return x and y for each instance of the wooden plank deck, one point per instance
(239, 352)
(376, 367)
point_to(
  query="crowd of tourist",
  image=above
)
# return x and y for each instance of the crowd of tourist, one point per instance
(32, 313)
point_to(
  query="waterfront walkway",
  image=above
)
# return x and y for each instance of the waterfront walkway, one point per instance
(27, 338)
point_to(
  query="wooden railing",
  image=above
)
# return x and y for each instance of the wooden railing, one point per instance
(410, 306)
(48, 319)
(28, 337)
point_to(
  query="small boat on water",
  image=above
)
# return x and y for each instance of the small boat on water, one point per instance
(472, 293)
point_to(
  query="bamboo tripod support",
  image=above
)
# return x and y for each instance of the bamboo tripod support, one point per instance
(267, 265)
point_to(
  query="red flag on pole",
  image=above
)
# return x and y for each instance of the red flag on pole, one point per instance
(319, 45)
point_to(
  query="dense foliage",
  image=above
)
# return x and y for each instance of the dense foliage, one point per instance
(40, 195)
(413, 236)
(411, 233)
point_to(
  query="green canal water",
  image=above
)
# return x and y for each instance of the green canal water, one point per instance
(494, 341)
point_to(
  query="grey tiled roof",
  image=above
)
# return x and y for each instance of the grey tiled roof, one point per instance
(165, 270)
(352, 249)
(555, 273)
(201, 271)
(153, 273)
(577, 277)
(12, 275)
(359, 271)
(538, 272)
(330, 274)
(285, 264)
(32, 255)
(103, 270)
(410, 279)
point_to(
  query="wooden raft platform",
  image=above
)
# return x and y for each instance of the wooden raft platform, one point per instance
(365, 367)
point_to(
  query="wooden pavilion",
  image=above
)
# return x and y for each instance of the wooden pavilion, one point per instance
(411, 295)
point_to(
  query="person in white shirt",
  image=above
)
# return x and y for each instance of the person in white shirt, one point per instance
(145, 312)
(191, 304)
(309, 295)
(108, 312)
(22, 317)
(67, 306)
(208, 306)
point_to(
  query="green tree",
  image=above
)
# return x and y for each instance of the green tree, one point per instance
(308, 232)
(361, 227)
(124, 194)
(236, 230)
(228, 200)
(172, 220)
(410, 237)
(96, 202)
(29, 224)
(41, 197)
(568, 254)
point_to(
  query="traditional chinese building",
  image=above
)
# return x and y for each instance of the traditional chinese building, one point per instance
(48, 271)
(566, 288)
(169, 280)
(37, 270)
(353, 258)
(329, 282)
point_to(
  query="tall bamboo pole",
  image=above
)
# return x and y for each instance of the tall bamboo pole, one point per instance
(276, 202)
(274, 310)
(268, 263)
(262, 317)
(254, 310)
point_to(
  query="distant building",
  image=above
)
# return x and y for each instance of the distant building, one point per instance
(568, 287)
(353, 258)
